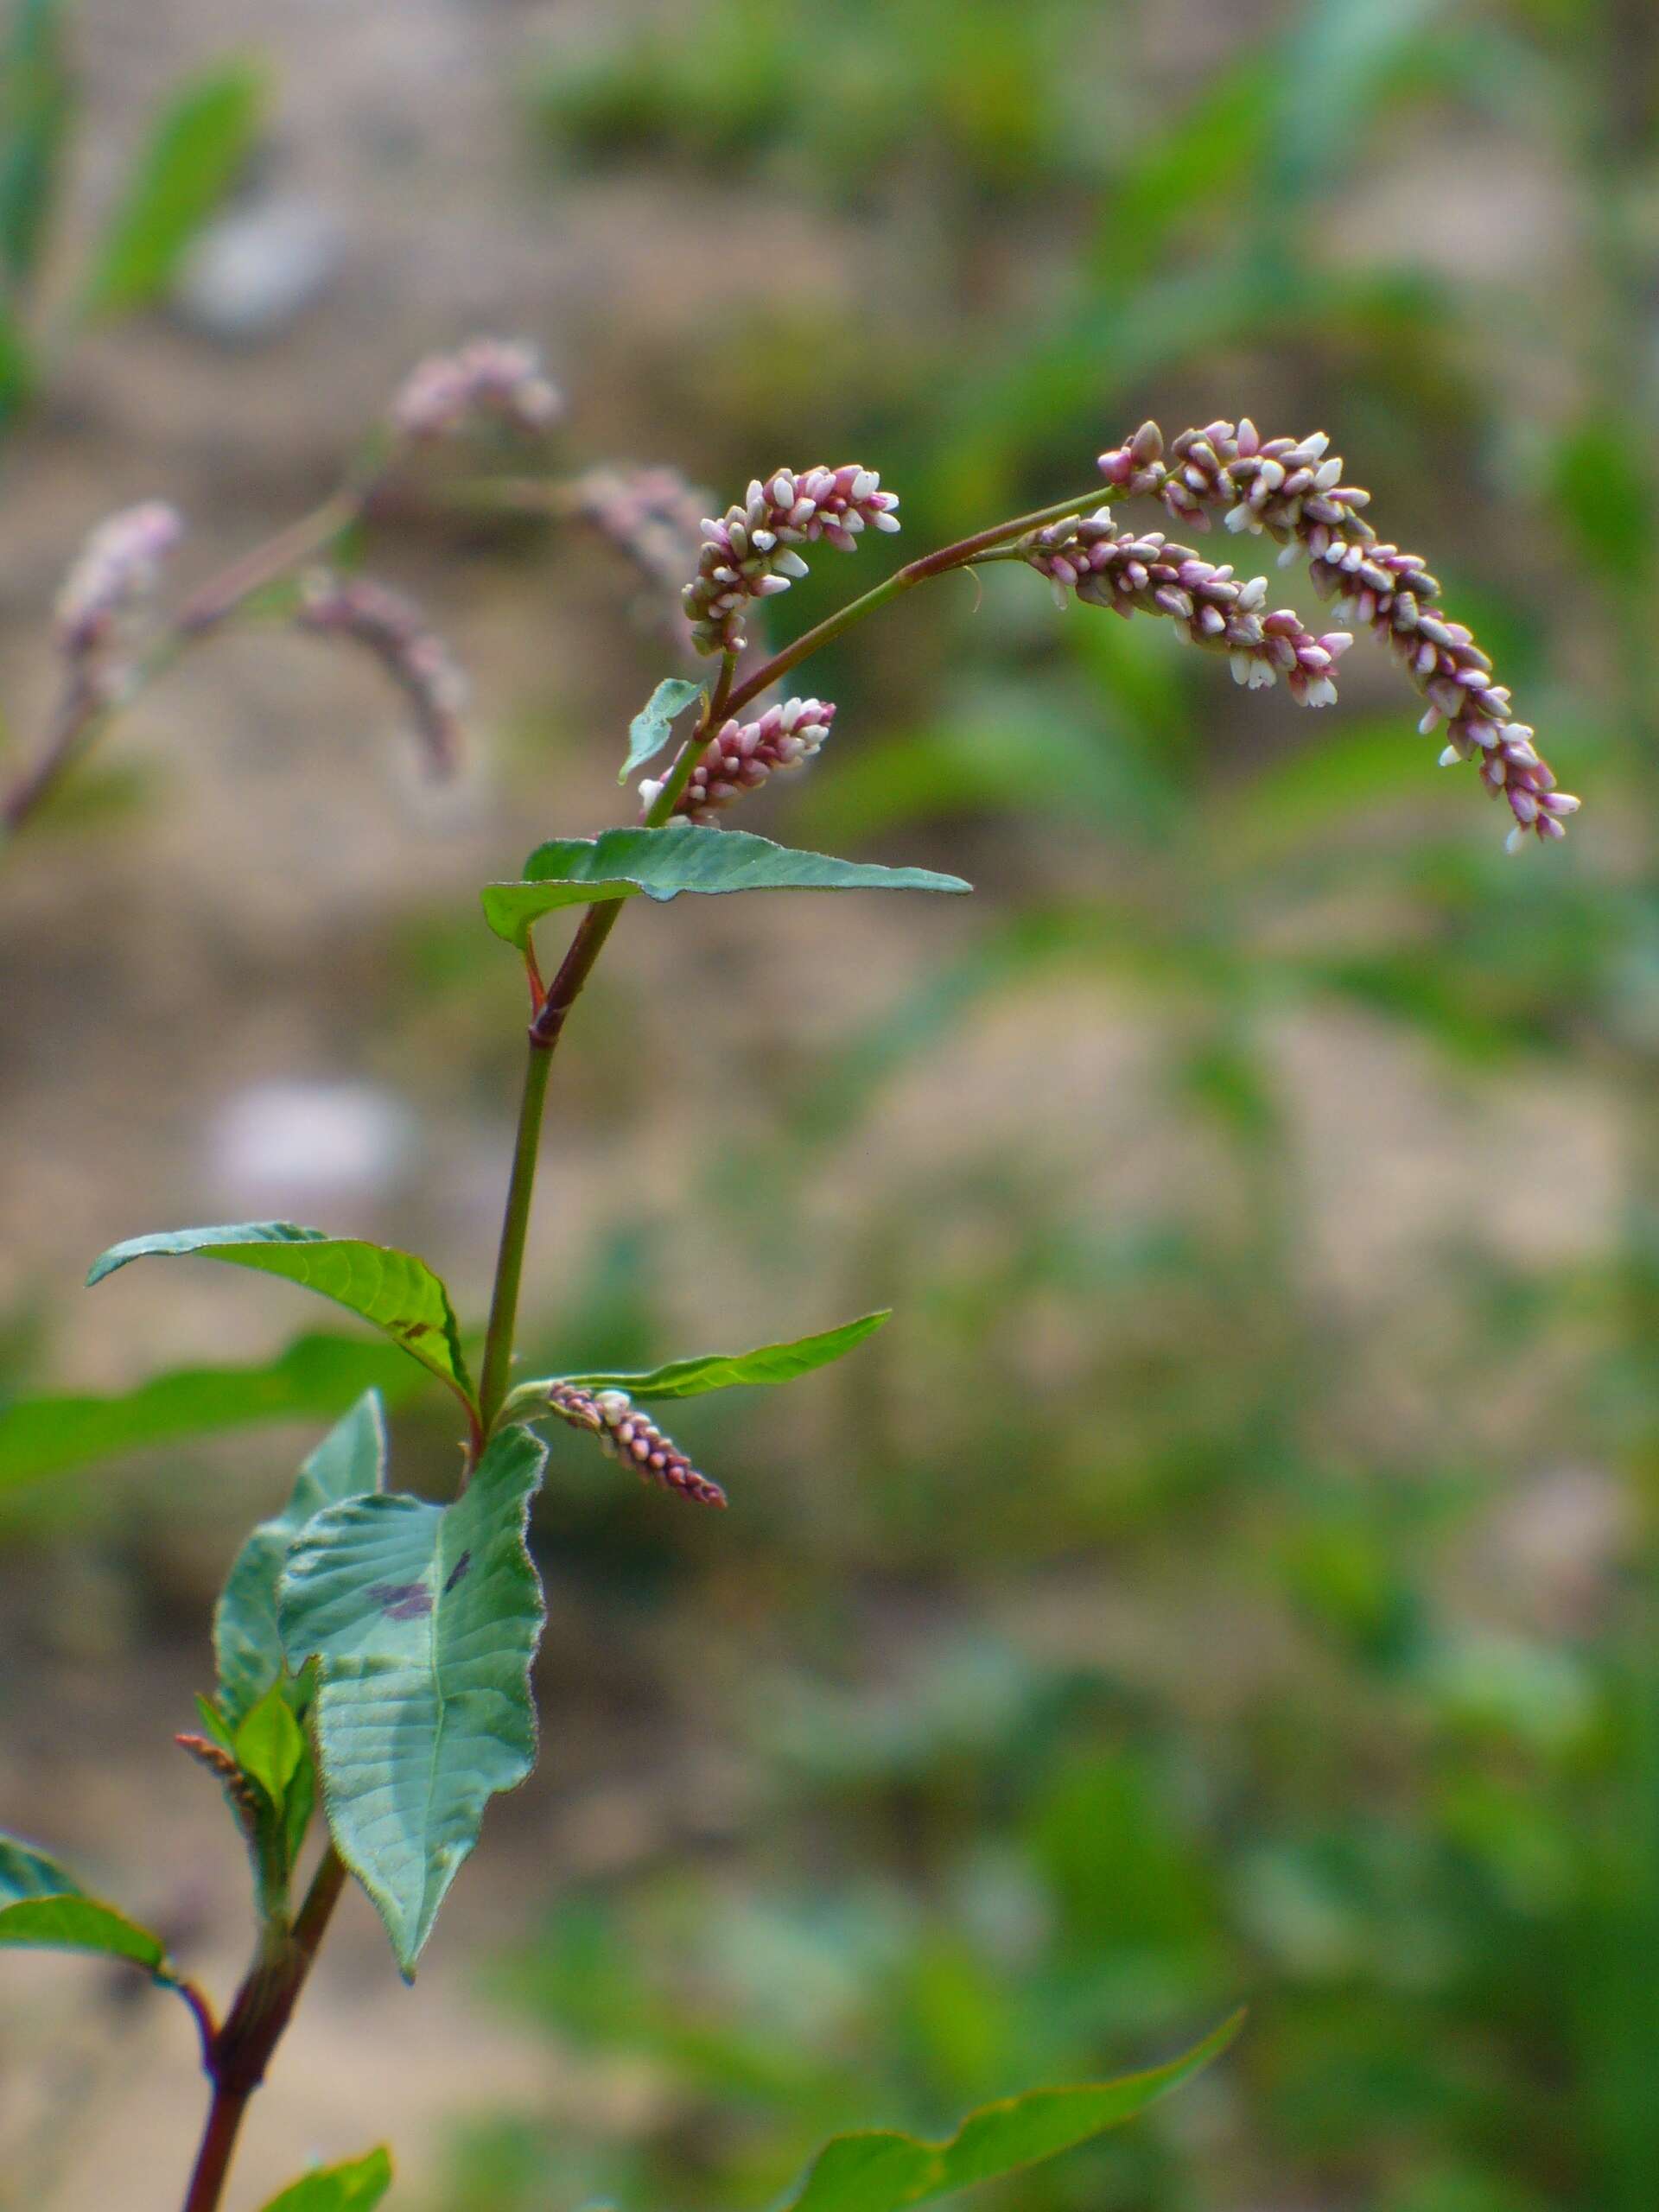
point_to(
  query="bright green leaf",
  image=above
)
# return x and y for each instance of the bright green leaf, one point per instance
(350, 1462)
(681, 856)
(34, 104)
(26, 1872)
(80, 1923)
(396, 1292)
(269, 1745)
(354, 2187)
(424, 1620)
(880, 2172)
(648, 731)
(194, 153)
(690, 1378)
(314, 1378)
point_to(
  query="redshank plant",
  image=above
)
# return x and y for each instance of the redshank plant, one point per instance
(375, 1647)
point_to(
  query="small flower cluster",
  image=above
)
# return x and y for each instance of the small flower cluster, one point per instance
(247, 1801)
(396, 632)
(748, 553)
(651, 515)
(741, 756)
(1147, 573)
(491, 378)
(626, 1434)
(112, 578)
(1292, 490)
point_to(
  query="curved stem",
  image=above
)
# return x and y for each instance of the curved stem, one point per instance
(961, 555)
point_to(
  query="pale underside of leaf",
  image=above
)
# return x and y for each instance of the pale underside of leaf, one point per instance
(349, 1462)
(26, 1871)
(681, 856)
(393, 1289)
(423, 1621)
(648, 732)
(886, 2172)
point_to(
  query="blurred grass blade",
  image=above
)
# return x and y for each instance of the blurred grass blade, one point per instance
(196, 151)
(681, 857)
(35, 105)
(313, 1378)
(423, 1621)
(350, 1462)
(882, 2172)
(690, 1378)
(355, 2187)
(395, 1290)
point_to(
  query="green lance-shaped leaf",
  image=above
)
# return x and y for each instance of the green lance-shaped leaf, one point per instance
(880, 2172)
(269, 1746)
(715, 1370)
(43, 1908)
(396, 1292)
(314, 1378)
(77, 1923)
(355, 2187)
(423, 1621)
(681, 856)
(648, 731)
(194, 151)
(350, 1462)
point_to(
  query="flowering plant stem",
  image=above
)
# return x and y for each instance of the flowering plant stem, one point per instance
(239, 2052)
(551, 1007)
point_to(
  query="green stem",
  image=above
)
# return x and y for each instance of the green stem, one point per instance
(515, 1230)
(962, 555)
(600, 919)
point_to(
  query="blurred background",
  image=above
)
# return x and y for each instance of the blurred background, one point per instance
(1231, 1577)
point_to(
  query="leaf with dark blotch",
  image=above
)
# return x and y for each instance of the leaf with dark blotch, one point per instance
(349, 1462)
(690, 1378)
(358, 2186)
(423, 1709)
(648, 732)
(313, 1378)
(680, 857)
(882, 2172)
(395, 1291)
(197, 146)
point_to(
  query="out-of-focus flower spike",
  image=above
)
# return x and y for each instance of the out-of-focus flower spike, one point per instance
(489, 379)
(110, 584)
(396, 634)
